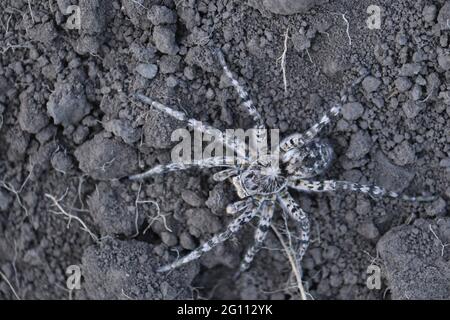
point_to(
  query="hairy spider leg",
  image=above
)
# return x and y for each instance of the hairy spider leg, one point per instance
(225, 174)
(260, 129)
(181, 116)
(300, 139)
(248, 102)
(331, 185)
(214, 162)
(291, 208)
(239, 206)
(231, 142)
(232, 228)
(265, 221)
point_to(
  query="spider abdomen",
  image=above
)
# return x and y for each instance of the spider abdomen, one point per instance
(310, 160)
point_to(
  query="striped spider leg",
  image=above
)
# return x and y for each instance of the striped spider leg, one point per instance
(248, 102)
(300, 184)
(230, 142)
(265, 221)
(260, 131)
(292, 209)
(214, 162)
(249, 212)
(298, 140)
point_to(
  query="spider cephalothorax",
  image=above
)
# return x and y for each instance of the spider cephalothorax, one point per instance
(262, 178)
(263, 181)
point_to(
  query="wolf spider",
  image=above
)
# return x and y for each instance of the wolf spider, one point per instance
(261, 184)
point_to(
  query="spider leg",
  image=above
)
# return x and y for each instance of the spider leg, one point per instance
(260, 147)
(240, 190)
(204, 163)
(300, 139)
(265, 221)
(331, 185)
(225, 174)
(291, 208)
(248, 103)
(231, 142)
(239, 206)
(232, 228)
(260, 132)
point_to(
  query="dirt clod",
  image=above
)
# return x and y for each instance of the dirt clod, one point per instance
(126, 270)
(352, 111)
(416, 261)
(164, 38)
(148, 71)
(114, 211)
(104, 158)
(360, 145)
(68, 104)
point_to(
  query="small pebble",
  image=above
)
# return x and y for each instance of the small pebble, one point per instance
(403, 154)
(161, 15)
(411, 109)
(360, 145)
(352, 111)
(444, 16)
(444, 61)
(191, 198)
(436, 208)
(403, 84)
(410, 69)
(169, 238)
(429, 13)
(371, 84)
(416, 93)
(165, 42)
(148, 71)
(445, 163)
(187, 241)
(368, 230)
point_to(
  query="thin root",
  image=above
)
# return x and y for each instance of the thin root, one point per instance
(10, 285)
(429, 95)
(150, 220)
(70, 217)
(107, 164)
(9, 187)
(440, 241)
(347, 30)
(31, 11)
(12, 47)
(282, 59)
(293, 262)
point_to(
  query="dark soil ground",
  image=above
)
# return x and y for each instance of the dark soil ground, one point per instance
(70, 128)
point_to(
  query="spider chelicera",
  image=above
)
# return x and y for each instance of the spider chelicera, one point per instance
(262, 182)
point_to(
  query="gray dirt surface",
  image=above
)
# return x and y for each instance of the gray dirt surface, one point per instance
(126, 270)
(416, 260)
(71, 128)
